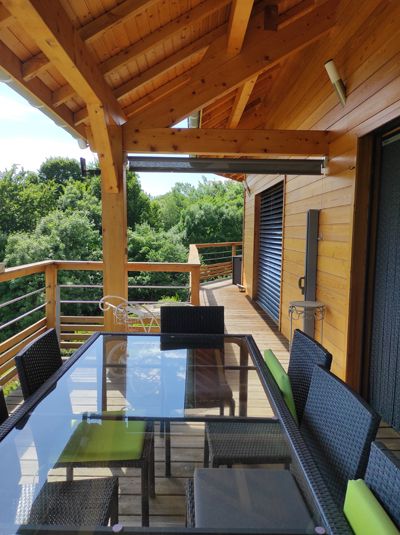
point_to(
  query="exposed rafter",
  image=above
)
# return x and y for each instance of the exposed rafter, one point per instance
(5, 16)
(34, 66)
(37, 89)
(225, 141)
(216, 75)
(241, 99)
(48, 25)
(274, 21)
(238, 22)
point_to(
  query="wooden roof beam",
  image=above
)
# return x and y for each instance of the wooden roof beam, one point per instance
(225, 141)
(92, 30)
(48, 25)
(175, 27)
(217, 74)
(238, 22)
(36, 88)
(241, 100)
(5, 16)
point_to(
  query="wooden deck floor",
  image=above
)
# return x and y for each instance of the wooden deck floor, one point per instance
(168, 507)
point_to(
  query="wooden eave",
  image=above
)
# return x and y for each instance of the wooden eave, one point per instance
(149, 63)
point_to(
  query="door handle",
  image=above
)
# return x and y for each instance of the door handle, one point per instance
(301, 282)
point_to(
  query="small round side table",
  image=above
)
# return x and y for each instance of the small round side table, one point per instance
(306, 309)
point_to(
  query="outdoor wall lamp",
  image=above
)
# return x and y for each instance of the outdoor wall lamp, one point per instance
(337, 82)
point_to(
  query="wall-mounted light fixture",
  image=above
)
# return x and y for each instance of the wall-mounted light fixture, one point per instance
(337, 82)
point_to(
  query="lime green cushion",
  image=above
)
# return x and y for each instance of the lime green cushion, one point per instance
(282, 380)
(106, 440)
(364, 513)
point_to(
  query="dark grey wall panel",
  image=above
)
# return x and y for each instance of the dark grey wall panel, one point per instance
(384, 389)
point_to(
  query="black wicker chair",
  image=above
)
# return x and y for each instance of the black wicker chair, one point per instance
(35, 364)
(338, 428)
(210, 389)
(383, 478)
(38, 361)
(228, 443)
(66, 502)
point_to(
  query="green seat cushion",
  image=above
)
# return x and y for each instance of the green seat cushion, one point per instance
(282, 380)
(364, 513)
(105, 440)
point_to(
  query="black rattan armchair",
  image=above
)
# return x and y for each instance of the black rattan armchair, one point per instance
(66, 502)
(37, 361)
(228, 443)
(35, 364)
(337, 427)
(209, 387)
(383, 478)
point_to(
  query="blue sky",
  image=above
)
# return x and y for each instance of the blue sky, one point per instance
(28, 137)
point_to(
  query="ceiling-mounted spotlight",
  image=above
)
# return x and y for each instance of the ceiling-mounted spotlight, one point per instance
(83, 144)
(337, 82)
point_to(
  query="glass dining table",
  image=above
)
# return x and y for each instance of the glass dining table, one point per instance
(166, 380)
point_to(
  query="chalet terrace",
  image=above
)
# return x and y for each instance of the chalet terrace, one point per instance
(297, 99)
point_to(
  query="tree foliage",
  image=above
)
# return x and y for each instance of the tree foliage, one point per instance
(56, 214)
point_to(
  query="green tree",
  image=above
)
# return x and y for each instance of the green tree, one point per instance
(60, 170)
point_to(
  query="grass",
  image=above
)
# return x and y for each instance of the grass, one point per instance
(10, 387)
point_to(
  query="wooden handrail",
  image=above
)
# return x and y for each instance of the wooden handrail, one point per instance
(220, 244)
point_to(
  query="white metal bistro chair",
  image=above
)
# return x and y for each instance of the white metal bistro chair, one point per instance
(127, 313)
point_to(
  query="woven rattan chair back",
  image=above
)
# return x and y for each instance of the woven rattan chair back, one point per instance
(383, 478)
(3, 408)
(38, 361)
(305, 354)
(338, 426)
(192, 320)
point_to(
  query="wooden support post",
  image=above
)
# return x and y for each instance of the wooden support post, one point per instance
(233, 250)
(51, 293)
(195, 285)
(114, 227)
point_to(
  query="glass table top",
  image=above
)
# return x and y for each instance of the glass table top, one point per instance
(130, 379)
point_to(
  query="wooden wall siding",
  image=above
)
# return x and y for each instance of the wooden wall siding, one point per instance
(366, 48)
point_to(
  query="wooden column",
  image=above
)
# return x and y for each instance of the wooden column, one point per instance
(51, 293)
(114, 228)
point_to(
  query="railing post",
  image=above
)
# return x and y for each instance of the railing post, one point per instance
(195, 285)
(233, 250)
(51, 295)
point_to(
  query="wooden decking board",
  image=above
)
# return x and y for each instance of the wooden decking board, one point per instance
(167, 509)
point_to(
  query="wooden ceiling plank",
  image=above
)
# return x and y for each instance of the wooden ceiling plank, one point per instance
(176, 26)
(226, 141)
(112, 18)
(48, 25)
(238, 22)
(241, 100)
(11, 64)
(217, 75)
(34, 66)
(168, 63)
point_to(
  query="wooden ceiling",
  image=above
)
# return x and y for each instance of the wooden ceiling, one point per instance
(151, 63)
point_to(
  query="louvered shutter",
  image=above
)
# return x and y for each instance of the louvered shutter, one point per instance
(270, 251)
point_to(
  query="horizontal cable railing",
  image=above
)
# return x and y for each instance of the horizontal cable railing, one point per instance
(216, 259)
(46, 300)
